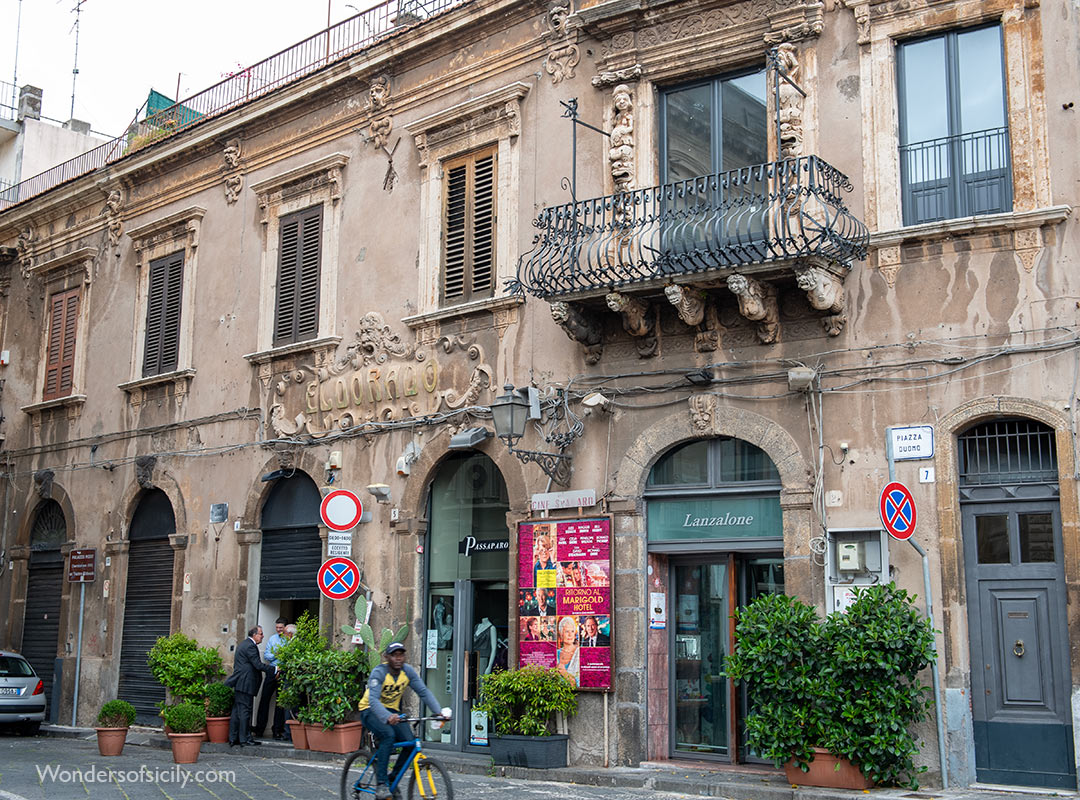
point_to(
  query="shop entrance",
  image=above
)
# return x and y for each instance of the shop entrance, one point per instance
(468, 599)
(706, 709)
(44, 588)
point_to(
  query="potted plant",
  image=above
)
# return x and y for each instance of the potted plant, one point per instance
(182, 667)
(833, 700)
(186, 722)
(523, 704)
(219, 703)
(334, 689)
(114, 719)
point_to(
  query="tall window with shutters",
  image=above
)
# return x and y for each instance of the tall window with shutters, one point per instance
(165, 292)
(60, 354)
(469, 220)
(296, 315)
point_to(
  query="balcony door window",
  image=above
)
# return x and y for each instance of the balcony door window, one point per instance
(954, 138)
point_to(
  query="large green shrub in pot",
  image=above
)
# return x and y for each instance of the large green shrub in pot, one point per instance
(116, 714)
(219, 700)
(186, 717)
(848, 683)
(524, 701)
(182, 667)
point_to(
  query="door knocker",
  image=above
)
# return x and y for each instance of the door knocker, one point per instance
(1018, 648)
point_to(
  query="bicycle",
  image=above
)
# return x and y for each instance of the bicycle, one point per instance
(429, 779)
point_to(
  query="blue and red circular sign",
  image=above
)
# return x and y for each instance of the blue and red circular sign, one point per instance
(338, 578)
(897, 508)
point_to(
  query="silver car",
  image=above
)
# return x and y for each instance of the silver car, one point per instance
(22, 693)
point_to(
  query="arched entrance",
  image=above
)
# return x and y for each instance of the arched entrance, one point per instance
(715, 536)
(291, 551)
(44, 586)
(1015, 580)
(467, 599)
(147, 601)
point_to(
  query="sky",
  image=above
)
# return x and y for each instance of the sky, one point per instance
(127, 47)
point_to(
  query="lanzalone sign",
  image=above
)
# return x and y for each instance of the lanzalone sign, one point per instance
(379, 378)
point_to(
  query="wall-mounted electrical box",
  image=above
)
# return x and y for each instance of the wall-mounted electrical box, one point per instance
(854, 558)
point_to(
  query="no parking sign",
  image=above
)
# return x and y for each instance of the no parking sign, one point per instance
(338, 578)
(897, 508)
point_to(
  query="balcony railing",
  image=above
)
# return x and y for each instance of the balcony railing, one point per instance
(765, 213)
(956, 176)
(314, 53)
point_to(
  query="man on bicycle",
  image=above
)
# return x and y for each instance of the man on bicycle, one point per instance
(380, 711)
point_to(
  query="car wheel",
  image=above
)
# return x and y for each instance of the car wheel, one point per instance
(30, 728)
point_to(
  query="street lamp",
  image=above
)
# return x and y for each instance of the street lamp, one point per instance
(510, 411)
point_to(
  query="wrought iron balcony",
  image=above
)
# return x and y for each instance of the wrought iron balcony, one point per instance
(781, 211)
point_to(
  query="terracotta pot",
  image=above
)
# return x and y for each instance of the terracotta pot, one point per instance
(825, 772)
(298, 732)
(342, 738)
(186, 746)
(110, 741)
(217, 729)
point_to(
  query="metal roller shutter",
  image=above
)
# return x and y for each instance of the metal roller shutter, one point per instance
(147, 615)
(291, 558)
(41, 628)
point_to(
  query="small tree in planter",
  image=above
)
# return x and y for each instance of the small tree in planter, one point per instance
(114, 719)
(186, 721)
(182, 667)
(846, 686)
(523, 704)
(219, 703)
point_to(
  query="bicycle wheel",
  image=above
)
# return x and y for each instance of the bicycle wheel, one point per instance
(434, 781)
(358, 776)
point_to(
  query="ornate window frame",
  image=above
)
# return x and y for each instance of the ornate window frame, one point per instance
(493, 118)
(315, 183)
(176, 232)
(72, 270)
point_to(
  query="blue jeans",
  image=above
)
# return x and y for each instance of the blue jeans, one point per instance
(385, 736)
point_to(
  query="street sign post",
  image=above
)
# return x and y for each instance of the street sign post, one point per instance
(81, 570)
(338, 578)
(897, 509)
(341, 510)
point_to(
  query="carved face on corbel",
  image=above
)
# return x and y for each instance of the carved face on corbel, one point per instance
(557, 19)
(379, 93)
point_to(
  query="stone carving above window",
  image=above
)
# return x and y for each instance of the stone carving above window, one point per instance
(563, 55)
(621, 150)
(790, 113)
(825, 291)
(114, 224)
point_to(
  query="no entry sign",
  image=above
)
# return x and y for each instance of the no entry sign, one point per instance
(338, 578)
(897, 508)
(341, 510)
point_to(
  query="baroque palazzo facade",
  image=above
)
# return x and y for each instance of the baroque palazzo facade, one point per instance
(741, 262)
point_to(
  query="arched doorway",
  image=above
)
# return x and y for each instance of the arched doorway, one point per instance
(1015, 581)
(715, 536)
(44, 586)
(468, 590)
(291, 551)
(147, 601)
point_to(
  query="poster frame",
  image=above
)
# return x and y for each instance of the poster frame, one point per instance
(516, 567)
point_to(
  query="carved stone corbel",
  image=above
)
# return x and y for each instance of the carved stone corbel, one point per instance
(638, 319)
(790, 111)
(382, 122)
(1027, 244)
(621, 145)
(702, 408)
(114, 224)
(612, 77)
(233, 181)
(695, 309)
(825, 291)
(43, 482)
(24, 248)
(757, 302)
(144, 471)
(582, 326)
(563, 55)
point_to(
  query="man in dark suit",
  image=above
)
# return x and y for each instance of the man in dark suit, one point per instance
(592, 636)
(246, 678)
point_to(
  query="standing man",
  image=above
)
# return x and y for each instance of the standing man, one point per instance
(245, 679)
(270, 687)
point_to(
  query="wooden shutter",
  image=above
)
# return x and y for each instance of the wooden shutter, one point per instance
(296, 317)
(166, 283)
(60, 356)
(469, 227)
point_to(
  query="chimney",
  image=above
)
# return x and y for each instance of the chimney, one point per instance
(29, 103)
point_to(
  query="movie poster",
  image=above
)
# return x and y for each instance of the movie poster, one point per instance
(564, 598)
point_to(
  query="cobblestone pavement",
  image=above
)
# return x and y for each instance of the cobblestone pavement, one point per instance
(57, 769)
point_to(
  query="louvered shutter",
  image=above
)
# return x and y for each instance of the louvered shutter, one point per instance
(297, 309)
(60, 356)
(469, 227)
(162, 350)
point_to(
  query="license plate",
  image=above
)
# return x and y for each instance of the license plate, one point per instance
(8, 690)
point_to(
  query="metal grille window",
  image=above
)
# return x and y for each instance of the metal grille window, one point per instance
(469, 227)
(296, 315)
(60, 354)
(954, 137)
(1008, 452)
(164, 294)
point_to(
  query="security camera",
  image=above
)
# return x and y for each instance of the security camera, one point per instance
(380, 491)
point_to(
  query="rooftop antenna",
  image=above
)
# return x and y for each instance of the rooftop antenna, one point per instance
(75, 69)
(15, 76)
